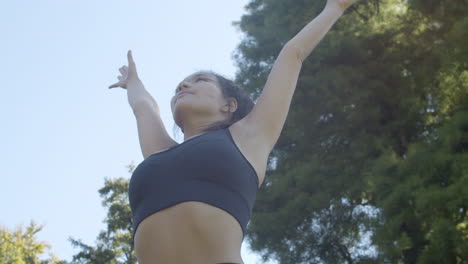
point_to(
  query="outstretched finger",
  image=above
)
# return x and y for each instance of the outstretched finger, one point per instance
(113, 85)
(130, 57)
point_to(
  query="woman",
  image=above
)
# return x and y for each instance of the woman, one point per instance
(191, 201)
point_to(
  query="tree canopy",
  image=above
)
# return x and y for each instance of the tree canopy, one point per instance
(371, 164)
(20, 246)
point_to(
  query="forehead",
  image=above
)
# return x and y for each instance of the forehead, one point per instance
(200, 74)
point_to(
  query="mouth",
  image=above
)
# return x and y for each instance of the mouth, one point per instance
(179, 95)
(182, 93)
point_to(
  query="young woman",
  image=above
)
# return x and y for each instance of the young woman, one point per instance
(191, 201)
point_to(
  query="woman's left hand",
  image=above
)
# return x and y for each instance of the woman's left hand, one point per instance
(342, 4)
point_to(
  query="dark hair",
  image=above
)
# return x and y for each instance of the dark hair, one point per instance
(230, 89)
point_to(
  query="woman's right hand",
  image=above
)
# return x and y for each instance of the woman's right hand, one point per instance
(129, 73)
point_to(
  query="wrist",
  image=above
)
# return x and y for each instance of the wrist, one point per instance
(335, 7)
(134, 82)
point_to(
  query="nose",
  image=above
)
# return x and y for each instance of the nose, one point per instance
(183, 85)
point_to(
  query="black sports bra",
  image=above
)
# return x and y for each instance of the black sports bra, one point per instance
(208, 168)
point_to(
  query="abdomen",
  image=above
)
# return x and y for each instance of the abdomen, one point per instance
(189, 232)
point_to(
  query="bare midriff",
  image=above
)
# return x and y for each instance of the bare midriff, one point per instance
(189, 232)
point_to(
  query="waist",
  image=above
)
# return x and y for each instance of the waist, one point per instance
(189, 232)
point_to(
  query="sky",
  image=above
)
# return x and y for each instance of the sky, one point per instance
(64, 131)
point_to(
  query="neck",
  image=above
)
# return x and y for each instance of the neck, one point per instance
(189, 136)
(193, 129)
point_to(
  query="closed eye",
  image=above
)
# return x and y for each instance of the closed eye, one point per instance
(196, 80)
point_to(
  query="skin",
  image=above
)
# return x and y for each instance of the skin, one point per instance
(194, 112)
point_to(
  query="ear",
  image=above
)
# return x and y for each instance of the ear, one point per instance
(231, 105)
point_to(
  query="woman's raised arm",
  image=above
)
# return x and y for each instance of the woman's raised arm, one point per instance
(152, 133)
(267, 118)
(308, 38)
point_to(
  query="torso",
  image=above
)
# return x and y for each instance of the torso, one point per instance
(196, 232)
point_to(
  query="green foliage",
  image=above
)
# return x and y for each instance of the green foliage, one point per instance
(20, 246)
(424, 197)
(114, 245)
(373, 95)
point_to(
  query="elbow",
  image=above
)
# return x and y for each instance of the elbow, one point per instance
(295, 50)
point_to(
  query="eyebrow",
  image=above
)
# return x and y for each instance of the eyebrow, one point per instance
(198, 75)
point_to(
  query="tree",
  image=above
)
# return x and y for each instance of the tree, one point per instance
(424, 212)
(114, 245)
(387, 76)
(20, 246)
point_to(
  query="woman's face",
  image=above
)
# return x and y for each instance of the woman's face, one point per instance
(203, 98)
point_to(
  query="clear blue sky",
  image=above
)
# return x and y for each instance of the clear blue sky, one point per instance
(63, 131)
